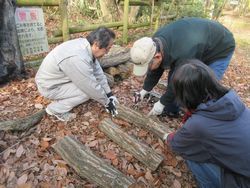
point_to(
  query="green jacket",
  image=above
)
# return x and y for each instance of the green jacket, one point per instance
(189, 38)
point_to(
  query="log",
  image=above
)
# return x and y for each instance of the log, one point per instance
(142, 121)
(162, 84)
(120, 72)
(142, 152)
(90, 166)
(110, 79)
(22, 124)
(117, 55)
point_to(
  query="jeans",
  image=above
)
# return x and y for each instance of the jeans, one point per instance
(219, 67)
(207, 175)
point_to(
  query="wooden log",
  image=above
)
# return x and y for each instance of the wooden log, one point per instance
(110, 78)
(117, 55)
(142, 152)
(142, 121)
(90, 166)
(22, 124)
(125, 70)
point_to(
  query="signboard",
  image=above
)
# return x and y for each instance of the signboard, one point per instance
(31, 31)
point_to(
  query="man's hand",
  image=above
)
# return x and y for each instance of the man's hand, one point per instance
(114, 100)
(157, 109)
(139, 96)
(110, 108)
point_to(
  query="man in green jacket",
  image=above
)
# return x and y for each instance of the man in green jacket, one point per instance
(188, 38)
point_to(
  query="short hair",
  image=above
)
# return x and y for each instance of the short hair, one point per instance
(102, 36)
(195, 83)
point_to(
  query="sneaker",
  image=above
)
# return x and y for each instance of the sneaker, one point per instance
(62, 117)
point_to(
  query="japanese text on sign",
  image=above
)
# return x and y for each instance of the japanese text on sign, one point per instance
(31, 31)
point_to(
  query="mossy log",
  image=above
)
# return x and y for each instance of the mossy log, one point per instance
(22, 124)
(117, 55)
(140, 151)
(90, 166)
(120, 72)
(136, 118)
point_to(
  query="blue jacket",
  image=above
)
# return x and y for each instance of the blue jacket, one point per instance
(219, 132)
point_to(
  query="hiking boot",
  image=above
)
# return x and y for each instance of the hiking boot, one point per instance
(67, 116)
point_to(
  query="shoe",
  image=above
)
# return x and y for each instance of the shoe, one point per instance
(170, 114)
(62, 117)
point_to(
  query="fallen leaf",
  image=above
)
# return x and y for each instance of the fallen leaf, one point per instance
(115, 162)
(110, 155)
(131, 170)
(142, 133)
(25, 185)
(44, 145)
(22, 179)
(176, 184)
(47, 139)
(19, 151)
(6, 154)
(149, 176)
(92, 144)
(38, 106)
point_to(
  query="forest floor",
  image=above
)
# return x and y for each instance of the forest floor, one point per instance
(28, 160)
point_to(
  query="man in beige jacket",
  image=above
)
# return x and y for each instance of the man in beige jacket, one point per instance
(71, 74)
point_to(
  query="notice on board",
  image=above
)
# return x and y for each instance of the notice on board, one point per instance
(31, 31)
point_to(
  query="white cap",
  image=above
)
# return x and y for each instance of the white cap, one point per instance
(142, 52)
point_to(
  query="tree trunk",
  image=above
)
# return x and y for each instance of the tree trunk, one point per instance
(22, 124)
(89, 166)
(141, 151)
(11, 61)
(142, 121)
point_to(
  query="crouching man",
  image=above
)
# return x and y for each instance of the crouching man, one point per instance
(71, 74)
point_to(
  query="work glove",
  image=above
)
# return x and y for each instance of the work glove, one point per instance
(114, 100)
(157, 109)
(139, 96)
(110, 106)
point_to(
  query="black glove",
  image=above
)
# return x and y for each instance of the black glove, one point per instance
(110, 107)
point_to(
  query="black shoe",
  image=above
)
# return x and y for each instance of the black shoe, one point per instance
(170, 114)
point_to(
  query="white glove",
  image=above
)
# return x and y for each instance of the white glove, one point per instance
(114, 100)
(143, 93)
(157, 109)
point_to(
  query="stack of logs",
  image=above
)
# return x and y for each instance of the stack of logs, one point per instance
(90, 166)
(117, 64)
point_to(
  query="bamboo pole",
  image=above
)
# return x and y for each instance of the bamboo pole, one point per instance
(64, 19)
(79, 29)
(54, 40)
(37, 2)
(125, 22)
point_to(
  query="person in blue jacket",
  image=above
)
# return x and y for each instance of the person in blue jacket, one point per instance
(215, 138)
